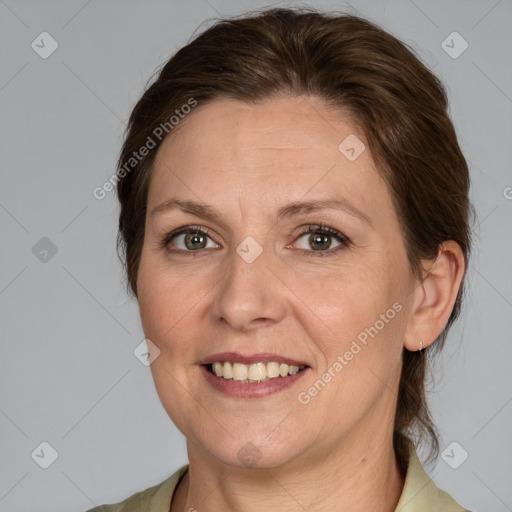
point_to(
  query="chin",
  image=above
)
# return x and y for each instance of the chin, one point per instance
(254, 452)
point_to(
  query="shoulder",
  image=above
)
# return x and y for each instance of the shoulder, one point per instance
(156, 498)
(421, 493)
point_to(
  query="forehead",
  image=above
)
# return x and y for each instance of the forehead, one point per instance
(227, 127)
(283, 148)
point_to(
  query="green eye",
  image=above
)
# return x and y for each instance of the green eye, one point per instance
(320, 239)
(189, 239)
(192, 239)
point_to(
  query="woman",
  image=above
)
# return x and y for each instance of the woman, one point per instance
(295, 227)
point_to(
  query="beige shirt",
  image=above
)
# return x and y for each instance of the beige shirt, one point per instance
(419, 494)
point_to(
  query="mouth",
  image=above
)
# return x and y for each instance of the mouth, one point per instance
(251, 376)
(254, 372)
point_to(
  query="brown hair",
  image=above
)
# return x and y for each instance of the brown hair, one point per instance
(350, 63)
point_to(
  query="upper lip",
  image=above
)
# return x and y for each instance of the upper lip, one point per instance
(262, 357)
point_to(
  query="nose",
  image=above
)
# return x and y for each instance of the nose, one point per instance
(251, 295)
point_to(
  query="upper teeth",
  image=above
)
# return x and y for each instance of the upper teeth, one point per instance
(253, 372)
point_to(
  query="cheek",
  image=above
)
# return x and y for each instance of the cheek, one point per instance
(345, 300)
(356, 318)
(162, 304)
(163, 312)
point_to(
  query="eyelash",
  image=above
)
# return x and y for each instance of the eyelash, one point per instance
(311, 228)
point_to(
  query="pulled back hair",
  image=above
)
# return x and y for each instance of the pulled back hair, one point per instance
(353, 64)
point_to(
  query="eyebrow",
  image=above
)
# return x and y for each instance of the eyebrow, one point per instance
(292, 209)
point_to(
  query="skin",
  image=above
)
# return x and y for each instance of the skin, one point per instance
(247, 161)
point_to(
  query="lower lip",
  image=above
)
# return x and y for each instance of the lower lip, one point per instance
(239, 389)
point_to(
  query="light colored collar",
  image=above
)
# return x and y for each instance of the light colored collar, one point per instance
(420, 493)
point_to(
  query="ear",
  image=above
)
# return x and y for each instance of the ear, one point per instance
(435, 296)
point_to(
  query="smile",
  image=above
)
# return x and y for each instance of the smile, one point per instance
(255, 372)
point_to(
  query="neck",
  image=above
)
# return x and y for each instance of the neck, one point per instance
(356, 477)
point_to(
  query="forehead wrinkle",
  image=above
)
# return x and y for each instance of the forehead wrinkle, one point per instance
(268, 146)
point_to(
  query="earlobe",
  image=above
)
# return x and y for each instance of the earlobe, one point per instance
(435, 296)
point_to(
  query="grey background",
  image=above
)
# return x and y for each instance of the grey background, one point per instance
(68, 374)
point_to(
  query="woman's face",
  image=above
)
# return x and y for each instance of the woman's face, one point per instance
(262, 281)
